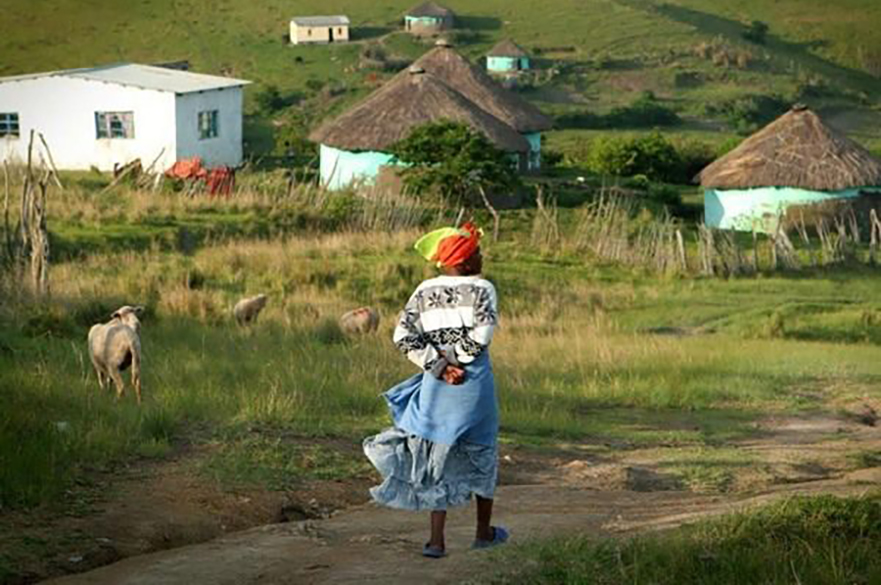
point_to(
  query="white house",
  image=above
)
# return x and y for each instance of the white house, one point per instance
(319, 29)
(110, 115)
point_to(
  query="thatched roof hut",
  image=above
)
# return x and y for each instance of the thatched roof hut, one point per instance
(796, 150)
(429, 18)
(446, 63)
(430, 9)
(507, 48)
(412, 98)
(796, 159)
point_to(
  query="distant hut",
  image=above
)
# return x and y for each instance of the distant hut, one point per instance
(429, 18)
(446, 63)
(319, 29)
(795, 160)
(507, 58)
(354, 146)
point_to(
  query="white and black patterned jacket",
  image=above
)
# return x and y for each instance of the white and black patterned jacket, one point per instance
(449, 319)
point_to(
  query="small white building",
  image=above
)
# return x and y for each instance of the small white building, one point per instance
(111, 115)
(319, 29)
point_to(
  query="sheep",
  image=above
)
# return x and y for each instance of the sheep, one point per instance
(247, 310)
(363, 320)
(116, 345)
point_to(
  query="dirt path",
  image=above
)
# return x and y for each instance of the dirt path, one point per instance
(163, 523)
(370, 545)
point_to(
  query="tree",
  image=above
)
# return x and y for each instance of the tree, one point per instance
(454, 159)
(459, 163)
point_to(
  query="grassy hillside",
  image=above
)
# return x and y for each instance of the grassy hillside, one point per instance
(594, 54)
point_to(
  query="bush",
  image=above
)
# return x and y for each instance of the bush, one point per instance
(665, 195)
(646, 111)
(652, 155)
(694, 156)
(748, 114)
(270, 99)
(757, 32)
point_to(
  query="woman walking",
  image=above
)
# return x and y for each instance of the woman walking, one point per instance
(443, 447)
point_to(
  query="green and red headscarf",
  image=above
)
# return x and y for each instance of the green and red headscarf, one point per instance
(450, 246)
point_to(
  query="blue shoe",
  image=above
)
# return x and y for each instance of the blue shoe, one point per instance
(500, 536)
(433, 552)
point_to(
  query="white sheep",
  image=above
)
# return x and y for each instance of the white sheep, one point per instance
(247, 310)
(116, 345)
(359, 321)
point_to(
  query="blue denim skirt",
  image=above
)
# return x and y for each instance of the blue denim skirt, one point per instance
(419, 474)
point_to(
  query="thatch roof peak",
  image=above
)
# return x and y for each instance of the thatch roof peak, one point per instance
(477, 86)
(796, 150)
(507, 48)
(430, 9)
(407, 101)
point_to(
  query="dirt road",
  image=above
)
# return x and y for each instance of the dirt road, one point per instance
(371, 545)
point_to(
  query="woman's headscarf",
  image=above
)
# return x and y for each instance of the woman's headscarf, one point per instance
(450, 246)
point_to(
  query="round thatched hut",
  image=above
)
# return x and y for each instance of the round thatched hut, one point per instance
(429, 18)
(507, 58)
(795, 160)
(354, 146)
(447, 64)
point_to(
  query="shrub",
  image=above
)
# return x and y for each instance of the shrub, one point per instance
(694, 157)
(756, 33)
(646, 111)
(748, 114)
(665, 195)
(269, 99)
(651, 155)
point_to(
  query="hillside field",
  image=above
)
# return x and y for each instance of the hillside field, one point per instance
(603, 52)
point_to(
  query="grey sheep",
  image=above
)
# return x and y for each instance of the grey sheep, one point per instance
(247, 310)
(359, 321)
(116, 345)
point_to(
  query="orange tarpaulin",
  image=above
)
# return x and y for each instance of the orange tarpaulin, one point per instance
(187, 168)
(219, 180)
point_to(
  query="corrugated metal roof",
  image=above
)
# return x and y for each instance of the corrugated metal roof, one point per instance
(321, 20)
(143, 77)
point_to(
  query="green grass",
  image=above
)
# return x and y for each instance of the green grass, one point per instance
(616, 49)
(573, 362)
(820, 540)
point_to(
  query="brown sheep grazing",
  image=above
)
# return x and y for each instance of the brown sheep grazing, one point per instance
(360, 321)
(116, 345)
(247, 310)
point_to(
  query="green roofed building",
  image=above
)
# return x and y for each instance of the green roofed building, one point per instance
(795, 160)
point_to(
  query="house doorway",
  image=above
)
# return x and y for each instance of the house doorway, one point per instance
(330, 34)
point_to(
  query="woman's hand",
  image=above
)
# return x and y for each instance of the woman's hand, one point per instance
(453, 375)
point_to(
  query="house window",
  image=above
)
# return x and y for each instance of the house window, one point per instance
(115, 124)
(9, 125)
(309, 32)
(339, 31)
(208, 126)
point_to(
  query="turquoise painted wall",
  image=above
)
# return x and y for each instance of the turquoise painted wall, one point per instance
(340, 168)
(745, 209)
(534, 160)
(507, 64)
(423, 21)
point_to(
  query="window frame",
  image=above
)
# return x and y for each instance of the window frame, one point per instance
(115, 125)
(10, 125)
(211, 128)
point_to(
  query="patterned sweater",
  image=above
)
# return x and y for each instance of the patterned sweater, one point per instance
(448, 320)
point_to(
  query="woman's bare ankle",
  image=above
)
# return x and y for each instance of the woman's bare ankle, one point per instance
(485, 533)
